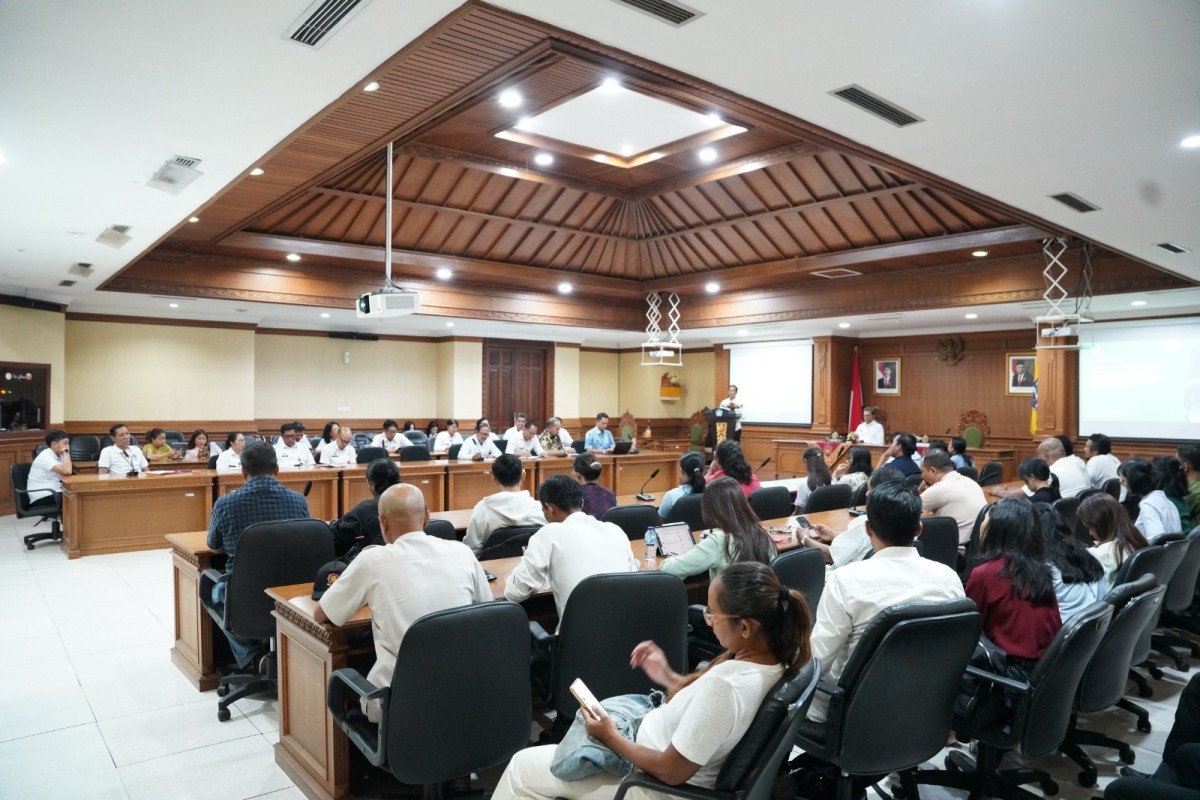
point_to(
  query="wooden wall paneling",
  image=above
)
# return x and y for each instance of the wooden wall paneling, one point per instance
(15, 448)
(1058, 393)
(516, 377)
(833, 360)
(721, 365)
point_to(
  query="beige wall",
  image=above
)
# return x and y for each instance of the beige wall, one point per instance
(599, 384)
(639, 386)
(306, 376)
(118, 370)
(460, 381)
(37, 337)
(566, 381)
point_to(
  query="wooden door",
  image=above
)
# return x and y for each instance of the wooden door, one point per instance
(518, 376)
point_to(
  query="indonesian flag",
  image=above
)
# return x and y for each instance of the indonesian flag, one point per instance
(856, 396)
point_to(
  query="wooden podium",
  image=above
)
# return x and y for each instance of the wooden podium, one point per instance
(722, 422)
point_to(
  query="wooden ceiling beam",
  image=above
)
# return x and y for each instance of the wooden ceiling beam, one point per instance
(725, 170)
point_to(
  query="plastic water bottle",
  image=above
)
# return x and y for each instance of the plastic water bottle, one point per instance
(651, 546)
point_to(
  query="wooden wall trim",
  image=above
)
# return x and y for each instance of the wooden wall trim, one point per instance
(74, 316)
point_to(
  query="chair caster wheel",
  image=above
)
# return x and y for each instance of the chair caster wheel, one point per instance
(1086, 779)
(223, 714)
(1143, 725)
(1127, 755)
(1183, 666)
(1156, 673)
(222, 690)
(1145, 691)
(898, 792)
(950, 765)
(1051, 788)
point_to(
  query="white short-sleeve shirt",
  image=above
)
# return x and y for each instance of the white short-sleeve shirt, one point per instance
(339, 456)
(43, 480)
(122, 462)
(229, 461)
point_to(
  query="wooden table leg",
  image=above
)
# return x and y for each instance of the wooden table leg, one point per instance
(193, 650)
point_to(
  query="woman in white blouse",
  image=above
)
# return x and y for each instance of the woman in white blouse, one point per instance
(1152, 511)
(856, 470)
(447, 438)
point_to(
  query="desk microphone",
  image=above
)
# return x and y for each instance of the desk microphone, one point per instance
(767, 461)
(641, 495)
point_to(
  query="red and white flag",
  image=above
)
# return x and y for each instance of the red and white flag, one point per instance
(856, 397)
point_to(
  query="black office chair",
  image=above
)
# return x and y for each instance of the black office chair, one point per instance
(1181, 592)
(871, 729)
(37, 451)
(469, 719)
(414, 452)
(108, 442)
(369, 454)
(1104, 681)
(1037, 722)
(418, 438)
(605, 617)
(48, 508)
(802, 569)
(991, 473)
(268, 554)
(859, 496)
(771, 502)
(633, 519)
(828, 498)
(1112, 487)
(254, 437)
(501, 443)
(913, 481)
(176, 437)
(579, 446)
(452, 453)
(750, 771)
(1068, 509)
(939, 540)
(969, 472)
(507, 542)
(85, 448)
(1175, 547)
(212, 461)
(1147, 561)
(442, 529)
(361, 440)
(687, 509)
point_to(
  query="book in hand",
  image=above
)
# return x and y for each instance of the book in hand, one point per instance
(586, 699)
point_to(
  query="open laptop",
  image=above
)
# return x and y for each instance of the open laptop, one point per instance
(674, 539)
(621, 448)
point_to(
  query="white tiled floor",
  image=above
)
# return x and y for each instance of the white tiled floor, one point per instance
(91, 706)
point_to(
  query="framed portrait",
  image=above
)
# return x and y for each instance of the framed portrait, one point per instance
(887, 376)
(1018, 373)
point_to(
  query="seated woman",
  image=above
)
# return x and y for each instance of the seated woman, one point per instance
(199, 448)
(818, 476)
(728, 460)
(445, 439)
(735, 534)
(230, 459)
(359, 527)
(409, 425)
(431, 430)
(764, 629)
(856, 470)
(691, 481)
(1012, 586)
(958, 453)
(1174, 485)
(597, 499)
(1152, 511)
(1077, 574)
(1115, 536)
(1039, 480)
(328, 436)
(156, 449)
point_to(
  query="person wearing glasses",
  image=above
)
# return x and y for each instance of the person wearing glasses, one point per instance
(119, 458)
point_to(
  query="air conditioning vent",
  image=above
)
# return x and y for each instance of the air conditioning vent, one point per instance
(115, 236)
(66, 283)
(1171, 247)
(874, 104)
(81, 270)
(321, 20)
(1074, 202)
(120, 228)
(175, 175)
(836, 273)
(675, 14)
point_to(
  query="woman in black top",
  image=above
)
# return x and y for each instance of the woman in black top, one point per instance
(1039, 480)
(359, 528)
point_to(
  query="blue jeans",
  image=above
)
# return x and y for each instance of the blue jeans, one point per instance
(244, 650)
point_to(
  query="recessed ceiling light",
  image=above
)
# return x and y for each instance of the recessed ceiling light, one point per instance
(257, 171)
(843, 324)
(1137, 303)
(971, 316)
(509, 172)
(444, 274)
(293, 257)
(511, 98)
(707, 155)
(449, 324)
(543, 159)
(610, 84)
(324, 315)
(600, 157)
(715, 117)
(565, 288)
(1191, 141)
(712, 287)
(193, 219)
(743, 333)
(979, 253)
(373, 86)
(173, 305)
(627, 150)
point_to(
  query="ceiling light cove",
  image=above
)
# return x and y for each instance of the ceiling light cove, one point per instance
(510, 98)
(172, 305)
(449, 324)
(610, 84)
(707, 155)
(543, 159)
(980, 253)
(970, 316)
(1137, 303)
(324, 315)
(444, 274)
(843, 325)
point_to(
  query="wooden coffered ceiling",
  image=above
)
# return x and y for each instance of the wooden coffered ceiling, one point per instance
(778, 220)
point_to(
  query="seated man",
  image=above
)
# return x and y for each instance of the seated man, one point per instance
(289, 451)
(1101, 463)
(359, 527)
(554, 440)
(510, 506)
(339, 452)
(571, 547)
(869, 431)
(230, 459)
(519, 420)
(1069, 468)
(852, 544)
(480, 446)
(949, 494)
(526, 444)
(48, 469)
(899, 455)
(414, 574)
(896, 573)
(119, 458)
(599, 439)
(261, 499)
(391, 439)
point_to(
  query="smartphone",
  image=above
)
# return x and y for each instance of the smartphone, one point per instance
(802, 521)
(857, 512)
(585, 697)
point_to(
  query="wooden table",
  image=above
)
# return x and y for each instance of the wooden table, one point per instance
(322, 497)
(468, 482)
(789, 460)
(427, 476)
(116, 514)
(195, 631)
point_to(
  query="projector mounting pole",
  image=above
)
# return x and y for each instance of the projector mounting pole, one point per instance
(387, 246)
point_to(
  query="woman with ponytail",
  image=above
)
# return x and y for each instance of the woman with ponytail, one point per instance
(1041, 483)
(691, 481)
(764, 628)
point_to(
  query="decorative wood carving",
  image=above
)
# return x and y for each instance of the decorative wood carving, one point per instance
(950, 351)
(978, 419)
(314, 629)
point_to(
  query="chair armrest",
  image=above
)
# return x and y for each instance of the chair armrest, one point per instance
(208, 579)
(693, 610)
(539, 634)
(1009, 683)
(347, 687)
(686, 790)
(831, 689)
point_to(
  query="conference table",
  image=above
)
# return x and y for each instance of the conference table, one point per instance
(789, 456)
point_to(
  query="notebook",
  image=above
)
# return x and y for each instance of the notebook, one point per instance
(674, 539)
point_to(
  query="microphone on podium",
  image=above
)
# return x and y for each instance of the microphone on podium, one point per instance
(641, 495)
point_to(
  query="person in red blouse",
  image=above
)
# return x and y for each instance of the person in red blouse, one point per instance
(729, 461)
(1013, 587)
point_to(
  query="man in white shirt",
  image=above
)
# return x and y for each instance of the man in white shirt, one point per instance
(230, 459)
(526, 444)
(519, 420)
(119, 458)
(869, 431)
(852, 544)
(731, 403)
(48, 469)
(949, 494)
(1071, 471)
(857, 592)
(1101, 463)
(290, 453)
(481, 445)
(510, 506)
(571, 547)
(414, 574)
(391, 439)
(339, 452)
(447, 438)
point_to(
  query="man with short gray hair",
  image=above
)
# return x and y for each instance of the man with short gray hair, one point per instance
(1070, 469)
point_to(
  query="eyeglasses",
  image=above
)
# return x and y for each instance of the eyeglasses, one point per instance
(710, 617)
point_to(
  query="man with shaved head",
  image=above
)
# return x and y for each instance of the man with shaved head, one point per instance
(414, 574)
(1069, 468)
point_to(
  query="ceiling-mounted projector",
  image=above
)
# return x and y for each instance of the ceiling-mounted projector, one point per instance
(388, 302)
